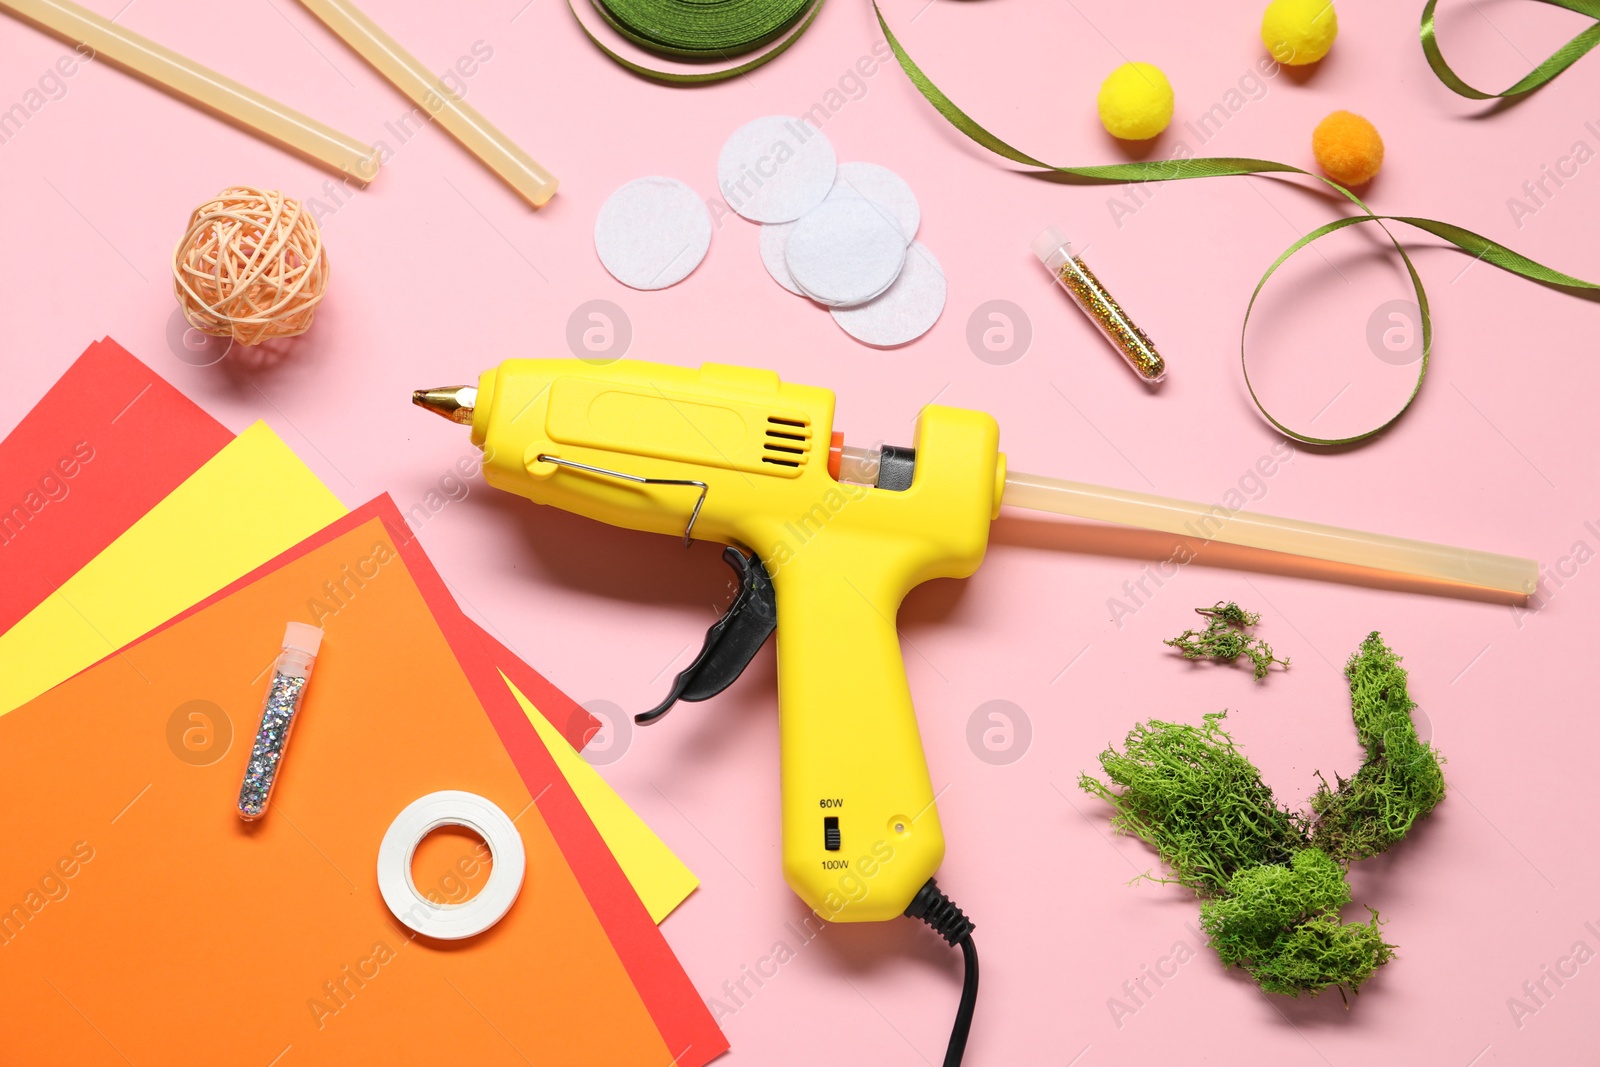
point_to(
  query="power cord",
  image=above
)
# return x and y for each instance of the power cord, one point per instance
(940, 912)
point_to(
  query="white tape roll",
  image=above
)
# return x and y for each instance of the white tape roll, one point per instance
(450, 922)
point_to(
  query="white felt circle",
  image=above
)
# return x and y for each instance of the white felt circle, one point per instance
(851, 302)
(878, 185)
(883, 187)
(450, 922)
(906, 310)
(775, 169)
(652, 232)
(844, 252)
(774, 249)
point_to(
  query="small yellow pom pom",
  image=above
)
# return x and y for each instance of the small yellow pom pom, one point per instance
(1297, 32)
(1135, 102)
(1347, 148)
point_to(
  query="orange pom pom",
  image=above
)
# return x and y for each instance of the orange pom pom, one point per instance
(1348, 148)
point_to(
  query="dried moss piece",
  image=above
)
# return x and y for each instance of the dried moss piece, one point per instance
(1282, 925)
(1275, 879)
(1231, 613)
(1225, 639)
(1400, 781)
(1323, 952)
(1189, 794)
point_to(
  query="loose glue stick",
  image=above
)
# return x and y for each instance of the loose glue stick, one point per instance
(459, 118)
(190, 81)
(1074, 275)
(288, 687)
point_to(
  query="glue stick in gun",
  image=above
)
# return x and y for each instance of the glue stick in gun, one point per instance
(826, 541)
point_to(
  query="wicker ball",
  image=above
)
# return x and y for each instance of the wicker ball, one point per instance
(250, 266)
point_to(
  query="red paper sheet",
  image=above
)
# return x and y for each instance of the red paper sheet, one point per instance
(144, 438)
(109, 440)
(679, 1013)
(566, 714)
(133, 476)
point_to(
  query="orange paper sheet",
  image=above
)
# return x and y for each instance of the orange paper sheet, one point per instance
(142, 921)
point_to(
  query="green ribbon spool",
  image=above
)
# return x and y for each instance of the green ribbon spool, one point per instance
(1219, 167)
(703, 31)
(1545, 72)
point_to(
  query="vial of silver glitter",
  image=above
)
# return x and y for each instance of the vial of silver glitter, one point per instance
(1074, 275)
(290, 674)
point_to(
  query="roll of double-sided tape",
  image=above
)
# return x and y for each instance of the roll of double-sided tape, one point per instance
(450, 922)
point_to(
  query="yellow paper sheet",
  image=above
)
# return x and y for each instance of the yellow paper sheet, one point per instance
(250, 501)
(658, 876)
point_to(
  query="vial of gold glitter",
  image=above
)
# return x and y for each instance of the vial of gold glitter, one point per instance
(287, 689)
(1076, 278)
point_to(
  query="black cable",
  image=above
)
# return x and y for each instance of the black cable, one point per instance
(969, 1001)
(948, 921)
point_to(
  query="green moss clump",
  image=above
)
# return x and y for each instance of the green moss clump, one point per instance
(1282, 925)
(1401, 779)
(1188, 792)
(1225, 639)
(1323, 952)
(1274, 880)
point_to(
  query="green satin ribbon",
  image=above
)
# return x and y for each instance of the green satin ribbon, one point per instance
(1179, 169)
(708, 36)
(1559, 61)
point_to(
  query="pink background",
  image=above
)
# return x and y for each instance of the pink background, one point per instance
(439, 271)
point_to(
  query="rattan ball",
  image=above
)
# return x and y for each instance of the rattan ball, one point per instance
(251, 266)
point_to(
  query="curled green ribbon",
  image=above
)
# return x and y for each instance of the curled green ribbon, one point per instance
(1559, 61)
(1218, 167)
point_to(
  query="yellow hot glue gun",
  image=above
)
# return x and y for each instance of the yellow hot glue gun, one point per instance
(827, 540)
(830, 549)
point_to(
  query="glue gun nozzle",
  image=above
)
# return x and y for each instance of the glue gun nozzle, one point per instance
(454, 402)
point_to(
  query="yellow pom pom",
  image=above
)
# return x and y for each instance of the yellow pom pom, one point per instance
(1135, 102)
(1297, 32)
(1347, 148)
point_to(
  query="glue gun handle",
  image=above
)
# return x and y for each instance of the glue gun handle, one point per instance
(854, 776)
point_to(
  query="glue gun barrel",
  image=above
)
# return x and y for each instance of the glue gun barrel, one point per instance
(1397, 555)
(454, 402)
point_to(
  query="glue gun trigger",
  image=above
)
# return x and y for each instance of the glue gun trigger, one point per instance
(731, 642)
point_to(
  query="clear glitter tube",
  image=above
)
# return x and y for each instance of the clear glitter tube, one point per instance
(1074, 275)
(290, 674)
